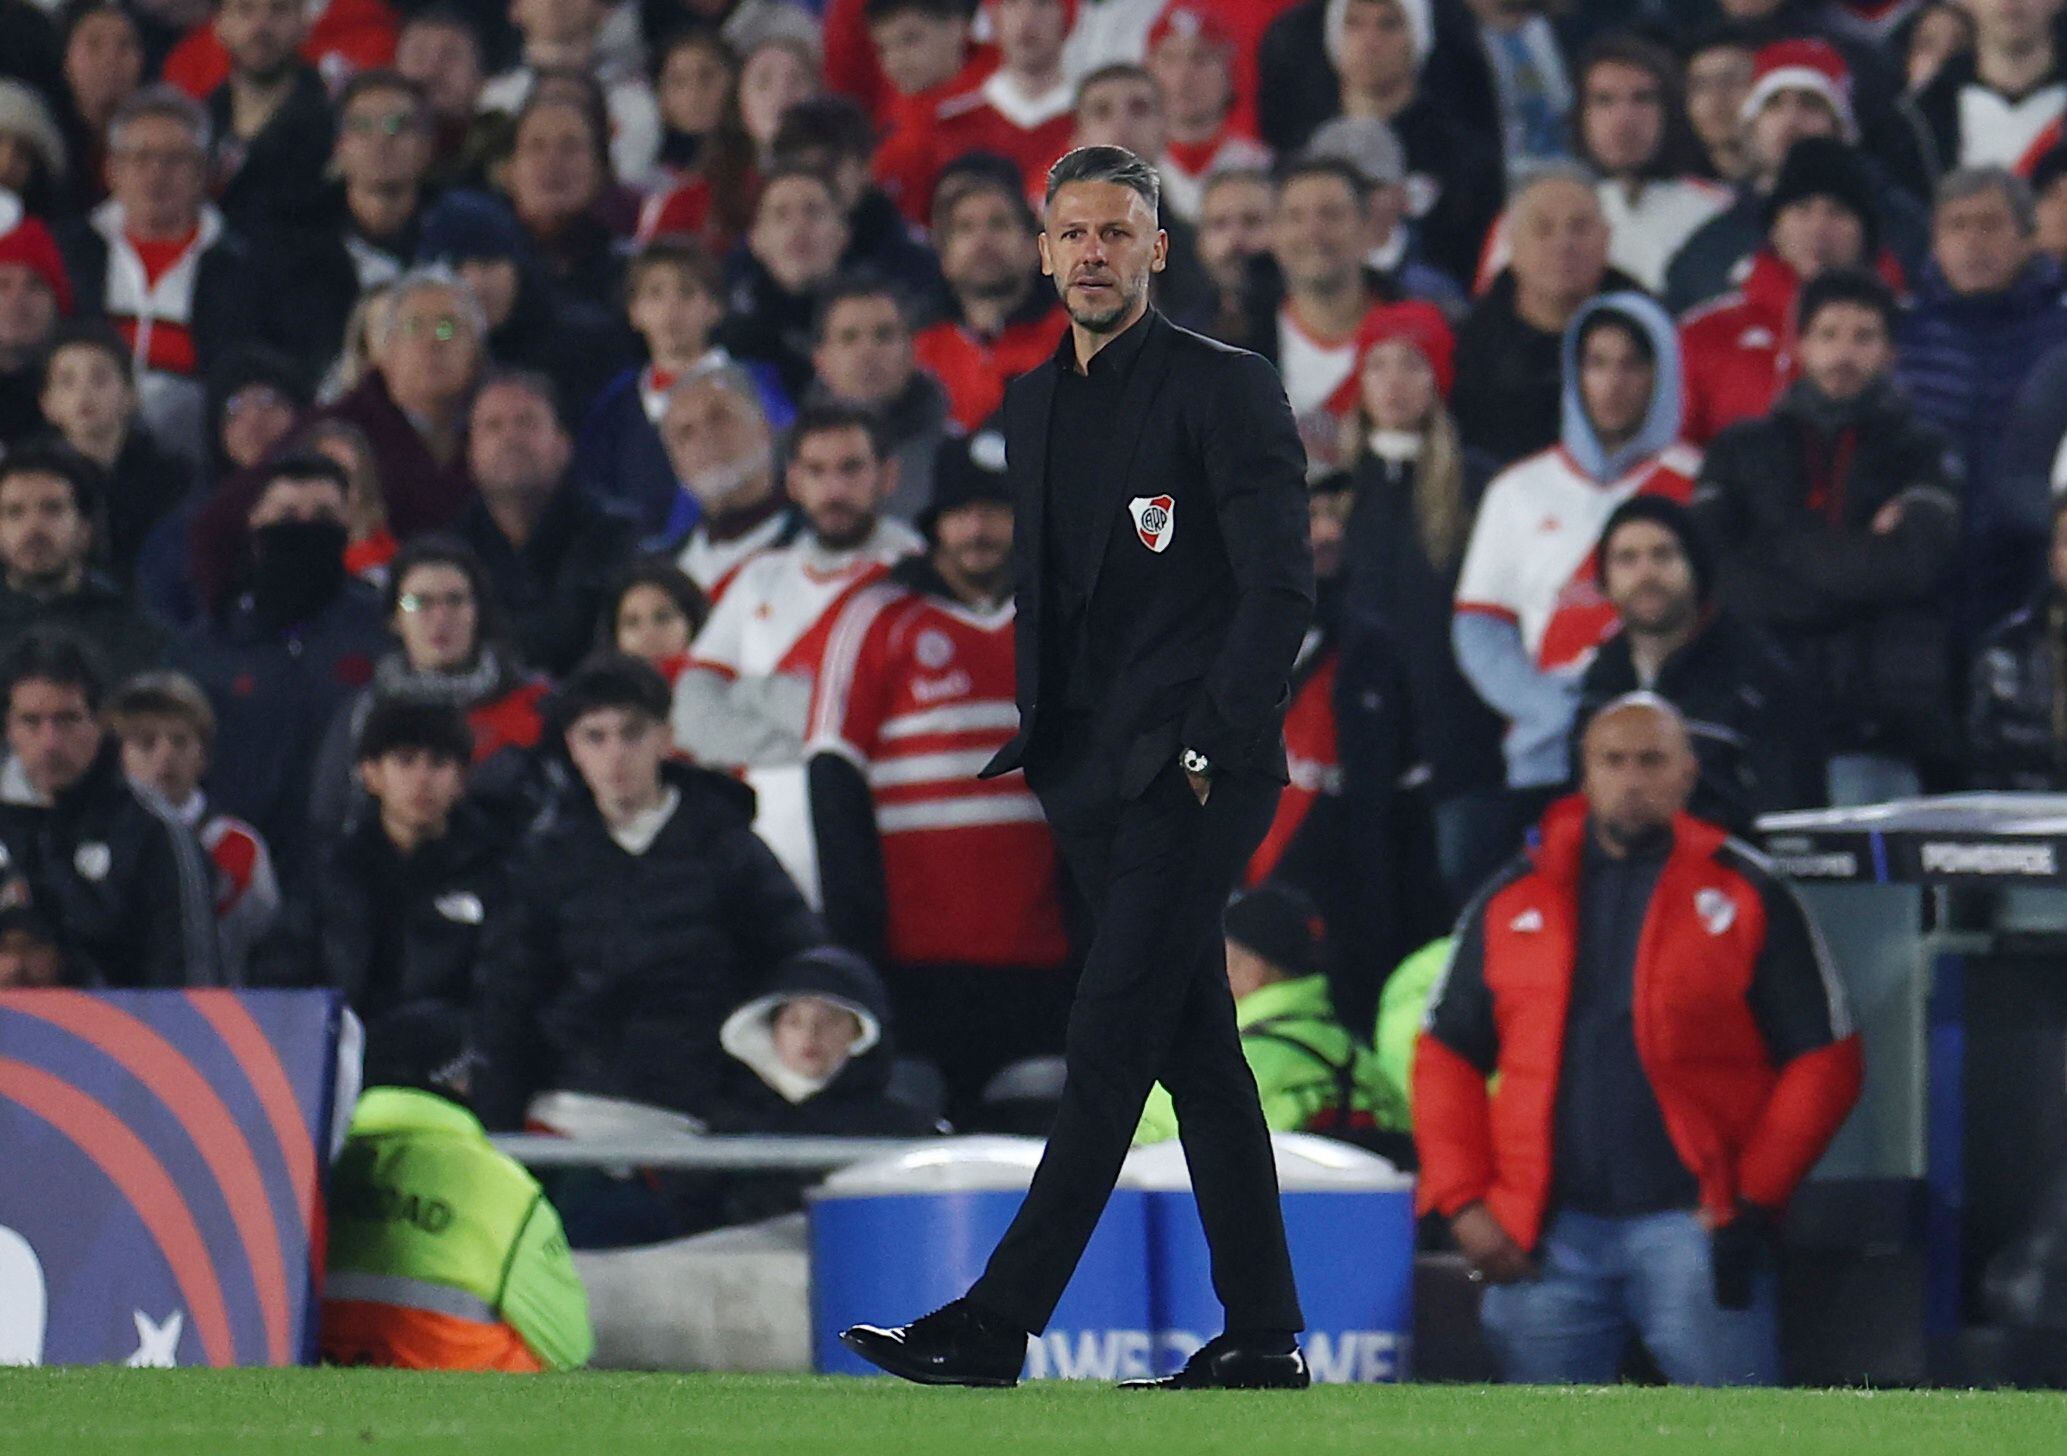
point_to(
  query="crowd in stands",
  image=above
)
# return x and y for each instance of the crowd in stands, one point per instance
(503, 506)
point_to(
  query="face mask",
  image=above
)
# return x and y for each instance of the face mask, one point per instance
(297, 569)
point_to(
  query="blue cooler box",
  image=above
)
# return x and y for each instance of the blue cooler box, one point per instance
(1349, 1218)
(894, 1239)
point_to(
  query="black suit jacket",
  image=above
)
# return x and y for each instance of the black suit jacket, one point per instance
(1194, 643)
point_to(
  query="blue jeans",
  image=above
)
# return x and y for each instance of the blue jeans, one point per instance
(1605, 1279)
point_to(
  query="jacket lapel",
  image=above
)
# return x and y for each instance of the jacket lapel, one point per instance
(1140, 392)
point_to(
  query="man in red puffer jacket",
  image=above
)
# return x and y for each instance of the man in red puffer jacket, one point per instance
(1674, 1054)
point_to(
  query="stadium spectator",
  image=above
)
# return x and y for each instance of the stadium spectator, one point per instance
(1836, 521)
(777, 70)
(89, 398)
(1416, 490)
(283, 652)
(343, 36)
(745, 699)
(34, 293)
(1630, 128)
(654, 612)
(440, 51)
(1937, 30)
(32, 953)
(1720, 66)
(1235, 209)
(393, 909)
(565, 35)
(49, 506)
(167, 732)
(121, 879)
(792, 251)
(34, 161)
(1529, 614)
(817, 1042)
(1532, 82)
(1984, 313)
(491, 1287)
(158, 261)
(453, 654)
(708, 164)
(1003, 319)
(1740, 348)
(362, 230)
(915, 695)
(103, 67)
(1800, 89)
(1739, 696)
(1312, 1075)
(1609, 1143)
(830, 135)
(864, 359)
(1510, 346)
(675, 298)
(918, 53)
(270, 119)
(637, 919)
(548, 548)
(2017, 697)
(1022, 111)
(558, 182)
(1372, 147)
(2001, 104)
(722, 449)
(1192, 56)
(369, 545)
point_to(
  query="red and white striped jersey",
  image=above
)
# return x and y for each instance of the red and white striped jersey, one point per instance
(776, 611)
(917, 692)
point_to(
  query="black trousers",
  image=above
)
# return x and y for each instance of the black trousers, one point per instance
(1152, 1004)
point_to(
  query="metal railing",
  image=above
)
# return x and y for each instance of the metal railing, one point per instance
(687, 1152)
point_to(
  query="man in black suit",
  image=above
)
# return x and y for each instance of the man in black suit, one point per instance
(1167, 582)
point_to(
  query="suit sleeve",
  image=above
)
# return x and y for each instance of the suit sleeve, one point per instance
(1801, 1012)
(1256, 470)
(1458, 1049)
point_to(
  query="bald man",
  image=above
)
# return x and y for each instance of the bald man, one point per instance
(1509, 350)
(1674, 1055)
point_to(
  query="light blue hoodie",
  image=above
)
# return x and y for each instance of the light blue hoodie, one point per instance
(1537, 705)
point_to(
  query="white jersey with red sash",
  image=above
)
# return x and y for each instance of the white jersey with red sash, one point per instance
(1313, 755)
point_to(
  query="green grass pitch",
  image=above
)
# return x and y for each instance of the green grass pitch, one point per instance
(232, 1413)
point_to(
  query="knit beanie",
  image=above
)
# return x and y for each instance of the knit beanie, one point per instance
(1662, 511)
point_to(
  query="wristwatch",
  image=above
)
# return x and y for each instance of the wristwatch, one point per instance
(1194, 762)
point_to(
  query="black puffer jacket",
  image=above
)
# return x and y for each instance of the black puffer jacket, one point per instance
(2017, 701)
(856, 1103)
(611, 972)
(1790, 501)
(125, 882)
(386, 928)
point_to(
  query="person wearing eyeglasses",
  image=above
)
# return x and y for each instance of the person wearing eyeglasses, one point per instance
(281, 653)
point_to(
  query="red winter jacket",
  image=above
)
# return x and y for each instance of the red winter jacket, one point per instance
(1740, 1026)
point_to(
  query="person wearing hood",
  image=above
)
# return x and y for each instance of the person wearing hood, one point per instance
(917, 687)
(817, 1042)
(532, 324)
(1510, 347)
(49, 512)
(1740, 348)
(863, 358)
(279, 656)
(123, 881)
(453, 655)
(1529, 615)
(638, 919)
(1836, 522)
(480, 1278)
(1728, 680)
(1985, 312)
(1312, 1074)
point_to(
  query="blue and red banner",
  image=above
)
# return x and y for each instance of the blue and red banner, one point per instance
(162, 1157)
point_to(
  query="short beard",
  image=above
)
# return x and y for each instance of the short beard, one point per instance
(716, 486)
(1107, 321)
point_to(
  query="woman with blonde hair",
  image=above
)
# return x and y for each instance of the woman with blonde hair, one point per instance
(1416, 489)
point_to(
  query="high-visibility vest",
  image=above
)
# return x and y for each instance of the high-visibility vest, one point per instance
(444, 1253)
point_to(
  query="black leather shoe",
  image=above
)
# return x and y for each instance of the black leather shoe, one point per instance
(1221, 1364)
(954, 1345)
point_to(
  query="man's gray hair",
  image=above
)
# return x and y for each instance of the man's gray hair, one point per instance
(428, 278)
(1965, 182)
(725, 375)
(1108, 164)
(168, 102)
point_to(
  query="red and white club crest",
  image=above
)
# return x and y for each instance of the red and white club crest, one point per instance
(1155, 519)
